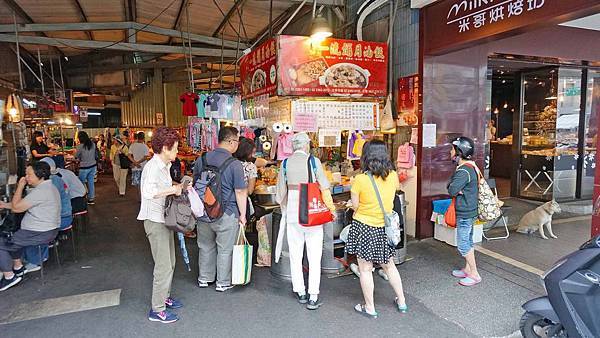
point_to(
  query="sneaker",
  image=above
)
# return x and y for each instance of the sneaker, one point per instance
(91, 202)
(223, 288)
(314, 304)
(165, 317)
(172, 303)
(6, 284)
(302, 299)
(32, 268)
(20, 272)
(203, 284)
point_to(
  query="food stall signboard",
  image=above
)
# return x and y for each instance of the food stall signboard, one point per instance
(334, 67)
(258, 70)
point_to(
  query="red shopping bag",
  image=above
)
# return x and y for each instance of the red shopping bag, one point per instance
(312, 210)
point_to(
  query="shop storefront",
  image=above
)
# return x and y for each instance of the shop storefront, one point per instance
(530, 69)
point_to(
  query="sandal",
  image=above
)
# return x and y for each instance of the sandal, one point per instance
(363, 311)
(459, 273)
(401, 308)
(469, 281)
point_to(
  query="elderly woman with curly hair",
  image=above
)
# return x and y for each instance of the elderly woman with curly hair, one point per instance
(155, 185)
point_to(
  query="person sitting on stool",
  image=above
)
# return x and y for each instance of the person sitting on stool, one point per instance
(39, 225)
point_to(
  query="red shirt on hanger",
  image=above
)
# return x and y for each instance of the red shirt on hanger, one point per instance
(189, 103)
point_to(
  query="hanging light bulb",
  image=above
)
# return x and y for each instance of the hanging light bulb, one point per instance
(320, 28)
(13, 112)
(505, 105)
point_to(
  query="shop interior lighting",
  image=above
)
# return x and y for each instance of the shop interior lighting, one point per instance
(505, 105)
(320, 28)
(150, 133)
(13, 112)
(66, 58)
(94, 114)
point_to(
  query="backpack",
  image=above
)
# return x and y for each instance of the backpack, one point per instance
(207, 182)
(406, 157)
(178, 213)
(487, 202)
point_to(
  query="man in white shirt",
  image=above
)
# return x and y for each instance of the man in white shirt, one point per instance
(138, 154)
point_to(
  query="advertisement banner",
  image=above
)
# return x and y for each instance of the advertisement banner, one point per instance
(258, 71)
(334, 67)
(408, 94)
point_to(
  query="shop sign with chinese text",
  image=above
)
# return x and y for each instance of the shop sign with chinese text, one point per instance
(449, 23)
(333, 67)
(258, 71)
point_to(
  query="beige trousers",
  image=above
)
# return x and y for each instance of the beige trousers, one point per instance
(162, 246)
(120, 176)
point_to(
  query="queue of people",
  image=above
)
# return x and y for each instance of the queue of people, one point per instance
(233, 159)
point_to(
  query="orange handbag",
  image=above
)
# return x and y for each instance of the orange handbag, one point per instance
(450, 215)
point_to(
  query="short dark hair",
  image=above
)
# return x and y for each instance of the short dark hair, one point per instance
(164, 137)
(244, 150)
(41, 170)
(227, 133)
(37, 133)
(375, 159)
(140, 136)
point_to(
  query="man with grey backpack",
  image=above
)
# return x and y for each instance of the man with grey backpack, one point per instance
(222, 188)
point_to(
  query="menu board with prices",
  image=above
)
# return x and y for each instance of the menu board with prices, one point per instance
(311, 115)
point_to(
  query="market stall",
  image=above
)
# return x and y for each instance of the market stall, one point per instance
(332, 89)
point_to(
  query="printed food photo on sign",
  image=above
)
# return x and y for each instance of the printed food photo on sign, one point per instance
(257, 70)
(333, 67)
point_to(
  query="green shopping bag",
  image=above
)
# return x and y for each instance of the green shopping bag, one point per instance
(241, 265)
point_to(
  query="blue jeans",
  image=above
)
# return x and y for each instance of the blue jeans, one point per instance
(464, 235)
(87, 176)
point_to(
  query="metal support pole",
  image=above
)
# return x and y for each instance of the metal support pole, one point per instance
(291, 17)
(41, 74)
(18, 51)
(221, 72)
(62, 80)
(52, 74)
(187, 14)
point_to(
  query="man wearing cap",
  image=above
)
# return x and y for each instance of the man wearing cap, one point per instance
(295, 173)
(75, 188)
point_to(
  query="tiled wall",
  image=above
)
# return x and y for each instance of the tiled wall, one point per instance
(406, 34)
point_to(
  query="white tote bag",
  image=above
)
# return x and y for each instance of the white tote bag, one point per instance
(241, 265)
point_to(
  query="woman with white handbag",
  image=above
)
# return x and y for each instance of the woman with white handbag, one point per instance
(367, 238)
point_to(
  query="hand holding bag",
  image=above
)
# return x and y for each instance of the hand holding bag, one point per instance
(450, 215)
(392, 219)
(312, 210)
(241, 265)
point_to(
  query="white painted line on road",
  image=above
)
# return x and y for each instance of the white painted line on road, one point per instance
(62, 305)
(509, 260)
(572, 219)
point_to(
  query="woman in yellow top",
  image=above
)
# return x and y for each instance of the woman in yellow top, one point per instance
(367, 239)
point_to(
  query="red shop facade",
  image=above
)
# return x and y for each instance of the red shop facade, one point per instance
(544, 145)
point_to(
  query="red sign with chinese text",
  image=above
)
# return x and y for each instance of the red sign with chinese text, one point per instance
(334, 67)
(408, 94)
(258, 71)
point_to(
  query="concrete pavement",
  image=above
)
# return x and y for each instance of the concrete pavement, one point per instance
(115, 255)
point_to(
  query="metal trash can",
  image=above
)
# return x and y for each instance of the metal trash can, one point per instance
(400, 204)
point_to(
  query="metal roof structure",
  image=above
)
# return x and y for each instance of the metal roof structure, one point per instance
(107, 36)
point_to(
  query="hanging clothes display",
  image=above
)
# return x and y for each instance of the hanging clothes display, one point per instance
(202, 134)
(236, 108)
(284, 146)
(356, 141)
(201, 105)
(189, 100)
